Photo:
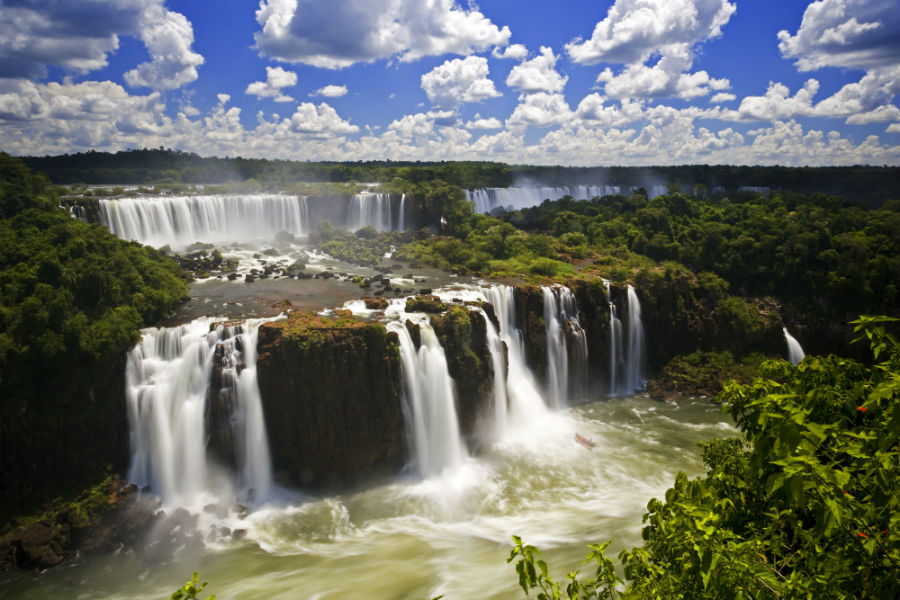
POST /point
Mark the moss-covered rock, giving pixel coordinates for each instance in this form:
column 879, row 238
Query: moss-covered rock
column 331, row 396
column 425, row 304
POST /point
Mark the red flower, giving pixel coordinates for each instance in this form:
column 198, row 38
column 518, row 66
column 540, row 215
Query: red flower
column 862, row 535
column 862, row 409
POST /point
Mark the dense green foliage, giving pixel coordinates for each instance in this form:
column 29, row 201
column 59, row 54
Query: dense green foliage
column 805, row 505
column 71, row 292
column 818, row 251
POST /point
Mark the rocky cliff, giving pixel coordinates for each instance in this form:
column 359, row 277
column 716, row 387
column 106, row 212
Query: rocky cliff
column 331, row 398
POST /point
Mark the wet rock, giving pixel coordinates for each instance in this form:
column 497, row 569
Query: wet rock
column 375, row 303
column 425, row 303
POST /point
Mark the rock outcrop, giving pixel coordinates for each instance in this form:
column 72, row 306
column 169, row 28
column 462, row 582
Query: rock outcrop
column 331, row 398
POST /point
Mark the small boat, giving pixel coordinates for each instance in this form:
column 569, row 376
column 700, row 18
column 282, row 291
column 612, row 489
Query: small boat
column 586, row 442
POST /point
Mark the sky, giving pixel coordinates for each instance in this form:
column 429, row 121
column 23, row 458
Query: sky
column 568, row 82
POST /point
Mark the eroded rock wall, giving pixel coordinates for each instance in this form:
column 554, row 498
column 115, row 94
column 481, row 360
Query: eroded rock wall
column 331, row 398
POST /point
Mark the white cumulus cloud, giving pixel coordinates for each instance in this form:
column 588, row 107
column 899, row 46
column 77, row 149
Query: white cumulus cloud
column 514, row 51
column 321, row 120
column 845, row 33
column 168, row 37
column 79, row 36
column 338, row 33
column 331, row 91
column 636, row 32
column 459, row 80
column 540, row 109
column 538, row 74
column 633, row 30
column 276, row 79
column 480, row 122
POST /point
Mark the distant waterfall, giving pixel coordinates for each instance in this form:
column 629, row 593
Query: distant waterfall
column 370, row 209
column 794, row 349
column 626, row 353
column 561, row 321
column 181, row 220
column 430, row 393
column 168, row 390
column 515, row 198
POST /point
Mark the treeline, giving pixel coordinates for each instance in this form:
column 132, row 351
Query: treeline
column 869, row 184
column 72, row 300
column 172, row 166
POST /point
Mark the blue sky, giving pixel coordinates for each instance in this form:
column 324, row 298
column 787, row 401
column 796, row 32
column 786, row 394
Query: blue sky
column 624, row 82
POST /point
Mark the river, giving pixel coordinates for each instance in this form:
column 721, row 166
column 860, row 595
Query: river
column 448, row 535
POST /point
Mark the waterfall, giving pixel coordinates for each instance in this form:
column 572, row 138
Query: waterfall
column 181, row 220
column 429, row 392
column 370, row 209
column 615, row 343
column 526, row 405
column 626, row 346
column 516, row 198
column 170, row 403
column 794, row 349
column 561, row 320
column 634, row 376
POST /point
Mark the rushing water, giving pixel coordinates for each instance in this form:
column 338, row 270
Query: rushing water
column 446, row 535
column 169, row 394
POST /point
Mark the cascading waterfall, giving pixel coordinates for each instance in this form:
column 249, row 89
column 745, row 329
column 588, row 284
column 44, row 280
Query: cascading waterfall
column 561, row 319
column 515, row 198
column 499, row 368
column 794, row 349
column 626, row 346
column 168, row 378
column 370, row 209
column 634, row 377
column 430, row 395
column 615, row 344
column 526, row 406
column 181, row 220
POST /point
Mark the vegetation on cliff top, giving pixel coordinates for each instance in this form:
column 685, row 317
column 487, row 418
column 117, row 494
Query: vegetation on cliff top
column 69, row 292
column 805, row 504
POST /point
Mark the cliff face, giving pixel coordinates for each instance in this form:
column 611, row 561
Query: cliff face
column 331, row 396
column 530, row 318
column 69, row 440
